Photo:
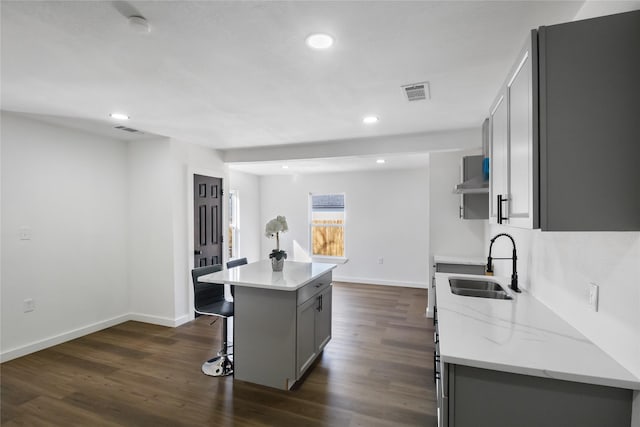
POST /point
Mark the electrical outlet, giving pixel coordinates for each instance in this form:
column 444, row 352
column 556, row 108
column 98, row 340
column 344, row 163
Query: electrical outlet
column 28, row 305
column 24, row 233
column 380, row 260
column 593, row 296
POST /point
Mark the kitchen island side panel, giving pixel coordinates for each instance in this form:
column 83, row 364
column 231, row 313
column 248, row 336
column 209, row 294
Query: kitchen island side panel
column 265, row 336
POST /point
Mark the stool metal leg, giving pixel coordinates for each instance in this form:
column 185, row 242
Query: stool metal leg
column 222, row 365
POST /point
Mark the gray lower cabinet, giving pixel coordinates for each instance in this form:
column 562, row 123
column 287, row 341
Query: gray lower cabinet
column 474, row 397
column 313, row 329
column 278, row 334
column 448, row 267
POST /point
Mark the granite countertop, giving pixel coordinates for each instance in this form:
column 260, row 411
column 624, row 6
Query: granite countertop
column 259, row 274
column 521, row 336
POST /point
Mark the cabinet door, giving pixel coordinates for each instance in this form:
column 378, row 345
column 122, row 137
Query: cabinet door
column 306, row 349
column 498, row 151
column 589, row 127
column 323, row 319
column 522, row 140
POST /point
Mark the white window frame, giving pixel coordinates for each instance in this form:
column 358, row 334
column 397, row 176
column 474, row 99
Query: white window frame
column 328, row 258
column 234, row 223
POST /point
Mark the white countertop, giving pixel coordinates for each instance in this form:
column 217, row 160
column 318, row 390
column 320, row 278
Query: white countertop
column 445, row 259
column 520, row 336
column 259, row 274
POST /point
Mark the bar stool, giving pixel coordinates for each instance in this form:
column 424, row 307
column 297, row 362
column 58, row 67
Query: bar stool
column 208, row 299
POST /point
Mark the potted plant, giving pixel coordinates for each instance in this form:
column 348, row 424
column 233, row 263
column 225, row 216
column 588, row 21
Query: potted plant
column 274, row 228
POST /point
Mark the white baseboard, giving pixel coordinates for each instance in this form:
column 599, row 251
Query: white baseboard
column 369, row 281
column 59, row 339
column 183, row 319
column 154, row 320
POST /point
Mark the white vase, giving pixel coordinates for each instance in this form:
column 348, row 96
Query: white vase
column 277, row 264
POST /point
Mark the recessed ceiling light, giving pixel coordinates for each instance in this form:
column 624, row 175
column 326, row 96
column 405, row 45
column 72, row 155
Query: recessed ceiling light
column 370, row 119
column 319, row 41
column 285, row 167
column 119, row 116
column 380, row 161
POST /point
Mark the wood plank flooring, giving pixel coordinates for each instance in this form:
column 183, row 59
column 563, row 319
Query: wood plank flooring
column 376, row 371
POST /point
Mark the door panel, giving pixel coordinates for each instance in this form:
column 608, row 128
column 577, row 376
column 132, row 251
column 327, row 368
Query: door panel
column 498, row 155
column 520, row 143
column 305, row 335
column 323, row 322
column 207, row 222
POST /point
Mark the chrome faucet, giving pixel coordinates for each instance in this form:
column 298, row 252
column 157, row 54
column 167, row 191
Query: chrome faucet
column 514, row 258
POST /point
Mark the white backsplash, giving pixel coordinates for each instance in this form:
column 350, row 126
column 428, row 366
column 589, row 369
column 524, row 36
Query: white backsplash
column 557, row 267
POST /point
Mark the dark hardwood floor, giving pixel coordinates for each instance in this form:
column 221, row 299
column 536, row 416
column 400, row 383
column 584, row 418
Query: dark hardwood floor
column 376, row 371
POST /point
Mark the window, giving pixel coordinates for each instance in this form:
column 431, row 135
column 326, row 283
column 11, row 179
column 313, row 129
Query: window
column 234, row 224
column 327, row 225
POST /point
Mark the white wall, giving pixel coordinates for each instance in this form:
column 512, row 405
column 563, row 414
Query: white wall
column 150, row 238
column 187, row 160
column 449, row 234
column 250, row 224
column 386, row 216
column 591, row 9
column 111, row 225
column 70, row 188
column 371, row 146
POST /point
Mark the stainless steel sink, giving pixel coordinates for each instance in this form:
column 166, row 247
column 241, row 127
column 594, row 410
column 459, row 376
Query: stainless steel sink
column 478, row 288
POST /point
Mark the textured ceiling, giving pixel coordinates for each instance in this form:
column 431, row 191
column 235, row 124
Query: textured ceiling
column 238, row 74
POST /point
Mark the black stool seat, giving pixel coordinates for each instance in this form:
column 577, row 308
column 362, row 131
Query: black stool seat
column 221, row 308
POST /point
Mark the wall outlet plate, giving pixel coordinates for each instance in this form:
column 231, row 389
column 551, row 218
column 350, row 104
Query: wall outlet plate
column 24, row 233
column 593, row 296
column 28, row 305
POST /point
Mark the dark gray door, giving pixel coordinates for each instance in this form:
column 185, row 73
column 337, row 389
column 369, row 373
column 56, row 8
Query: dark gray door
column 207, row 221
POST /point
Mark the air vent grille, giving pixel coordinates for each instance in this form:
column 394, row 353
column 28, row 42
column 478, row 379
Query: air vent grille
column 417, row 91
column 126, row 129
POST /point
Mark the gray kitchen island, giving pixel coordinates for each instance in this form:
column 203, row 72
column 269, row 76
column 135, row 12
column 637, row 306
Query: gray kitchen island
column 282, row 320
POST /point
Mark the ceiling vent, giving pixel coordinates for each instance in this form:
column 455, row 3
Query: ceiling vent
column 417, row 91
column 126, row 129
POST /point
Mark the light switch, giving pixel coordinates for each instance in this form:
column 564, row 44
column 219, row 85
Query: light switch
column 24, row 233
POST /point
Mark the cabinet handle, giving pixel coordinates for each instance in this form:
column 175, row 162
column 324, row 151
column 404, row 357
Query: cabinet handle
column 460, row 212
column 197, row 252
column 501, row 200
column 319, row 307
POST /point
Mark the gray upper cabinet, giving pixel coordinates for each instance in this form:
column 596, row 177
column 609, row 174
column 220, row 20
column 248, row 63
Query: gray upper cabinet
column 590, row 124
column 565, row 130
column 473, row 205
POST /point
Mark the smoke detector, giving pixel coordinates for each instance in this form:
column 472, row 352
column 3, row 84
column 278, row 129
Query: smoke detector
column 417, row 91
column 139, row 24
